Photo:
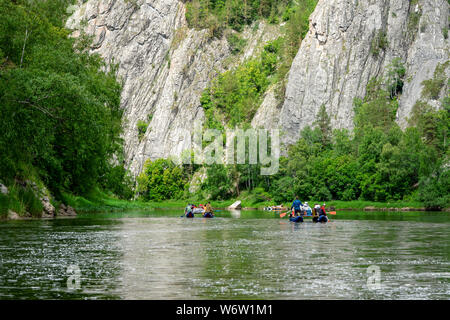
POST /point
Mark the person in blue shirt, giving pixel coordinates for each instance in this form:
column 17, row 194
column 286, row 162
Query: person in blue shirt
column 296, row 205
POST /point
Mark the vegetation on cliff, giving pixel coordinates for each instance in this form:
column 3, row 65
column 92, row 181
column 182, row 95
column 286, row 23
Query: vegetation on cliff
column 234, row 97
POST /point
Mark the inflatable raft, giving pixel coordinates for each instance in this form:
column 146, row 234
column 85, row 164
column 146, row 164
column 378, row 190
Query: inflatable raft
column 274, row 208
column 296, row 219
column 189, row 215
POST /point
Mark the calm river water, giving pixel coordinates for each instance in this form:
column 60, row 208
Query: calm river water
column 247, row 255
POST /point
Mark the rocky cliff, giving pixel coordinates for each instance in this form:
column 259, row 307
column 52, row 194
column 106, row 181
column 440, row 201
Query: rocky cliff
column 339, row 56
column 165, row 65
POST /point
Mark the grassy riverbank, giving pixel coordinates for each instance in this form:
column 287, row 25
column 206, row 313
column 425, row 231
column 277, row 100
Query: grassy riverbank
column 99, row 201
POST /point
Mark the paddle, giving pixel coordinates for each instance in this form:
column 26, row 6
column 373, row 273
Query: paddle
column 283, row 214
column 332, row 212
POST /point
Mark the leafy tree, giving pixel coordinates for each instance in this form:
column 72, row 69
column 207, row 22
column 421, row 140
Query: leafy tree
column 118, row 181
column 217, row 15
column 434, row 189
column 60, row 111
column 377, row 109
column 160, row 180
column 395, row 74
column 235, row 95
column 323, row 123
column 218, row 183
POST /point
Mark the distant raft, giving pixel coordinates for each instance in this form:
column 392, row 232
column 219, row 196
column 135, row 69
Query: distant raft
column 274, row 208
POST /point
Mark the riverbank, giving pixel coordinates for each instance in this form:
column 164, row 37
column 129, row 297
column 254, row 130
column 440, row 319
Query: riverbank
column 30, row 199
column 102, row 202
column 99, row 201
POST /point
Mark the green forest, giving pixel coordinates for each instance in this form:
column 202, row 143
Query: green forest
column 61, row 120
column 60, row 112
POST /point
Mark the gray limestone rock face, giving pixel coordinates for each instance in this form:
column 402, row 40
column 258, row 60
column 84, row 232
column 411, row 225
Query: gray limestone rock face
column 138, row 36
column 67, row 211
column 336, row 60
column 49, row 209
column 13, row 215
column 267, row 116
column 164, row 66
column 429, row 49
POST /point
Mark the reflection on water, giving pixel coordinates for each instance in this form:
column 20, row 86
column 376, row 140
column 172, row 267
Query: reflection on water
column 35, row 255
column 158, row 255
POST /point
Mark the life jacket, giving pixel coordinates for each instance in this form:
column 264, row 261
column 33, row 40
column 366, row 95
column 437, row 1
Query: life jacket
column 292, row 213
column 322, row 211
column 316, row 211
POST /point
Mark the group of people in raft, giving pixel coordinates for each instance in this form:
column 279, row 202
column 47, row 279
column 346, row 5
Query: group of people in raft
column 191, row 209
column 299, row 210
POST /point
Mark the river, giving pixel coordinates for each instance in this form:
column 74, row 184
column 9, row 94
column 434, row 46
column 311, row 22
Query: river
column 242, row 255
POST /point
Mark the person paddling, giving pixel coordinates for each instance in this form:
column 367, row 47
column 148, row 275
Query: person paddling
column 296, row 210
column 208, row 210
column 296, row 205
column 188, row 211
column 315, row 213
column 307, row 209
